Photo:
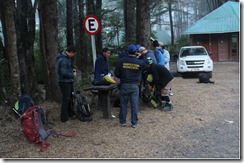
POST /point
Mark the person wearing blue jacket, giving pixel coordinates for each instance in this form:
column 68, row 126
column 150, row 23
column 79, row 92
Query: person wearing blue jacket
column 128, row 70
column 158, row 53
column 66, row 79
column 101, row 65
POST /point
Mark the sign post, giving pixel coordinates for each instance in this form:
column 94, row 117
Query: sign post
column 92, row 26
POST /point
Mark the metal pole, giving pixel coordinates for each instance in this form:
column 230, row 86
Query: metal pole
column 94, row 54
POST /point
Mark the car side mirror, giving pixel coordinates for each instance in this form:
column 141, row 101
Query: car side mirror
column 210, row 53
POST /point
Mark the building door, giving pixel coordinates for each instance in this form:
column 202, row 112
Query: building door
column 234, row 48
column 223, row 49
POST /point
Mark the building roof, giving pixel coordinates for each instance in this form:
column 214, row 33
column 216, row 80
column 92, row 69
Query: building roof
column 224, row 19
column 162, row 36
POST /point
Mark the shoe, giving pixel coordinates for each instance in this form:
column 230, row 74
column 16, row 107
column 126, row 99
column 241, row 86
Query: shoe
column 123, row 124
column 134, row 126
column 72, row 117
column 167, row 107
column 171, row 93
column 67, row 122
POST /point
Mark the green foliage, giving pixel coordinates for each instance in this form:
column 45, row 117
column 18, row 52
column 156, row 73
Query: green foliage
column 112, row 61
column 86, row 80
column 112, row 26
column 184, row 40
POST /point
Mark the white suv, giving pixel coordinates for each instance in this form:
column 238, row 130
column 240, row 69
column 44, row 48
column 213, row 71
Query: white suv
column 194, row 59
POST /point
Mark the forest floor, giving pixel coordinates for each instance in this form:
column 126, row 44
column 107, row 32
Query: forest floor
column 204, row 124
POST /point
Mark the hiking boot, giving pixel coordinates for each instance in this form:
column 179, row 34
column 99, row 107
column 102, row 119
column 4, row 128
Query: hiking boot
column 165, row 106
column 161, row 105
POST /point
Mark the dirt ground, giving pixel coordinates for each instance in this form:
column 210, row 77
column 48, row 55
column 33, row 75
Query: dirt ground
column 204, row 124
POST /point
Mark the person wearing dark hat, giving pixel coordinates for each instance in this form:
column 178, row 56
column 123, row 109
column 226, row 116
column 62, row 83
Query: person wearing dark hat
column 128, row 70
column 158, row 52
column 162, row 79
column 66, row 79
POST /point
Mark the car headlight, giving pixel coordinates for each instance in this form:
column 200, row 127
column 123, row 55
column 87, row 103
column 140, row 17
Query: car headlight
column 209, row 61
column 182, row 62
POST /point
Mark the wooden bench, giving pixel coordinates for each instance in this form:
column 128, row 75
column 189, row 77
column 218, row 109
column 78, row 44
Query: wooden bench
column 104, row 97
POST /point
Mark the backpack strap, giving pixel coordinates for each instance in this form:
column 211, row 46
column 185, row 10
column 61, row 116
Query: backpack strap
column 40, row 121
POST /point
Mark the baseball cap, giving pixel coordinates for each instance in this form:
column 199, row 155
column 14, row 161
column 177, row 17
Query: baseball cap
column 132, row 48
column 138, row 46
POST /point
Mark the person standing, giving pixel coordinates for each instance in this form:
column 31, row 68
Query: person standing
column 65, row 73
column 166, row 63
column 158, row 53
column 128, row 70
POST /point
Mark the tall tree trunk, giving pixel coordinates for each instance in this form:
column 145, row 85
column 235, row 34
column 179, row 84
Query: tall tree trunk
column 11, row 48
column 25, row 25
column 83, row 37
column 143, row 23
column 69, row 22
column 99, row 34
column 171, row 22
column 48, row 23
column 77, row 59
column 130, row 21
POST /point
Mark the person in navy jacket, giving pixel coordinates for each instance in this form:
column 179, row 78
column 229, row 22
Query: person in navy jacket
column 128, row 70
column 101, row 65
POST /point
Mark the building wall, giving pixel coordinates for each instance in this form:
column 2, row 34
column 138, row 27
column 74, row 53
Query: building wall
column 224, row 47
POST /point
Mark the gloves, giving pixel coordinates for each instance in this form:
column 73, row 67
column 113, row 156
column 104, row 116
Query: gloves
column 108, row 78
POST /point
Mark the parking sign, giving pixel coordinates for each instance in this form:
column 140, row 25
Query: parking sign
column 91, row 24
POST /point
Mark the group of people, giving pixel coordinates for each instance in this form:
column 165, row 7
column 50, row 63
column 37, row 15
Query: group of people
column 129, row 70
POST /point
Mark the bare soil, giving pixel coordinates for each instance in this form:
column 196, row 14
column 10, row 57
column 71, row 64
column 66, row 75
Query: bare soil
column 204, row 124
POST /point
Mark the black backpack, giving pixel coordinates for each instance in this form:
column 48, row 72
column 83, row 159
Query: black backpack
column 81, row 107
column 204, row 78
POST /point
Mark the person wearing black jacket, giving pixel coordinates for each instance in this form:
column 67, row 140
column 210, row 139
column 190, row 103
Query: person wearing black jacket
column 162, row 79
column 66, row 79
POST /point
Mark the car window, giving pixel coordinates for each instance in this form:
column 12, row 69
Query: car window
column 198, row 51
column 192, row 52
column 184, row 52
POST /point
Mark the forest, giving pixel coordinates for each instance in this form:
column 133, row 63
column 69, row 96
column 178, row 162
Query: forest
column 33, row 32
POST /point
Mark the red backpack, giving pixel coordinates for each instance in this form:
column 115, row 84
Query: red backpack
column 33, row 123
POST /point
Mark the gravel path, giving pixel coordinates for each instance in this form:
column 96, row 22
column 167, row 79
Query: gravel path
column 205, row 124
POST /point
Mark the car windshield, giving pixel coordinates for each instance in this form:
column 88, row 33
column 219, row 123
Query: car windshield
column 192, row 51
